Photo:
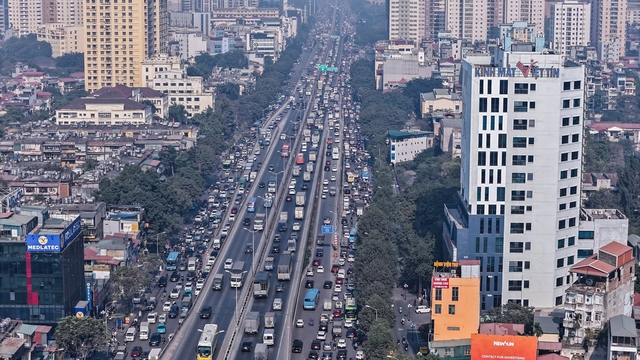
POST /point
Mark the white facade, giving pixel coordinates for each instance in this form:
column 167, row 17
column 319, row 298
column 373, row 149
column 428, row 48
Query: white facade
column 406, row 145
column 190, row 44
column 609, row 30
column 467, row 20
column 531, row 11
column 520, row 175
column 169, row 75
column 407, row 20
column 25, row 16
column 570, row 25
column 63, row 39
column 96, row 111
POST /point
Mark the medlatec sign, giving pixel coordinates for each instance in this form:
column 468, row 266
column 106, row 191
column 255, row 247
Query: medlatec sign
column 53, row 243
column 520, row 70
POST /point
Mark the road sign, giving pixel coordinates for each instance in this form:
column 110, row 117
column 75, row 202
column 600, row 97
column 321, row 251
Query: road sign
column 327, row 229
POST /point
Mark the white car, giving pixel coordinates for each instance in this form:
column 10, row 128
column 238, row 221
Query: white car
column 422, row 309
column 299, row 323
column 232, row 217
column 320, row 269
column 359, row 355
column 333, row 178
column 162, row 318
column 292, row 191
column 310, row 272
column 295, row 226
column 175, row 293
column 166, row 306
column 348, row 323
column 338, row 305
column 325, row 182
column 228, row 264
column 334, row 168
column 199, row 284
column 342, row 344
column 337, row 288
column 152, row 317
column 322, row 335
column 197, row 292
column 277, row 304
column 188, row 286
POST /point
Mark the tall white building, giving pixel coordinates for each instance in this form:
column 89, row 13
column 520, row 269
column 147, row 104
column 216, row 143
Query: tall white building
column 570, row 24
column 25, row 16
column 531, row 11
column 407, row 20
column 467, row 19
column 609, row 30
column 519, row 204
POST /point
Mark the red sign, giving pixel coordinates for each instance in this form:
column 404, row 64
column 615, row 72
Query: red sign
column 440, row 283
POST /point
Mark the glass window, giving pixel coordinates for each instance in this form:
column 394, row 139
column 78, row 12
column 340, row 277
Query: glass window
column 515, row 285
column 483, row 105
column 519, row 160
column 504, row 87
column 516, row 247
column 520, row 106
column 515, row 266
column 502, row 141
column 567, row 85
column 519, row 124
column 455, row 293
column 517, row 228
column 495, row 104
column 563, row 174
column 564, row 139
column 576, row 120
column 565, row 121
column 482, row 158
column 560, row 263
column 452, row 309
column 517, row 210
column 518, row 178
column 517, row 195
column 521, row 88
column 519, row 142
column 576, row 85
column 576, row 102
column 500, row 194
column 565, row 103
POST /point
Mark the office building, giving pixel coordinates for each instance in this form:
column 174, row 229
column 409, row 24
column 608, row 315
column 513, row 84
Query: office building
column 41, row 265
column 4, row 15
column 454, row 300
column 407, row 20
column 406, row 145
column 609, row 28
column 65, row 12
column 118, row 41
column 519, row 203
column 570, row 25
column 530, row 11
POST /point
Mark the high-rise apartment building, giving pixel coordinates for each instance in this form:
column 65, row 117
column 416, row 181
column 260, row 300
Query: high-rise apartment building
column 530, row 11
column 407, row 20
column 25, row 16
column 65, row 12
column 467, row 19
column 609, row 28
column 570, row 24
column 519, row 203
column 119, row 36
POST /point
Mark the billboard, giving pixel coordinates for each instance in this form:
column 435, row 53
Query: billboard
column 503, row 347
column 440, row 283
column 53, row 243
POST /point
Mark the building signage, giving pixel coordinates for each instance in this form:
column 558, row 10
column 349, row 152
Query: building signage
column 503, row 347
column 520, row 70
column 71, row 231
column 53, row 243
column 440, row 283
column 88, row 290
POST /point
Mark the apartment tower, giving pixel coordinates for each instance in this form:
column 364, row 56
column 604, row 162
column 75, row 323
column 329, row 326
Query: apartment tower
column 407, row 20
column 518, row 206
column 120, row 34
column 609, row 28
column 25, row 16
column 570, row 24
column 468, row 19
column 530, row 11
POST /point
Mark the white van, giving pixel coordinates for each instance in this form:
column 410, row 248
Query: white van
column 216, row 244
column 130, row 335
column 144, row 331
column 269, row 337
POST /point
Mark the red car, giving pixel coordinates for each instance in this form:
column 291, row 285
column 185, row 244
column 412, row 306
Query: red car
column 316, row 262
column 337, row 314
column 234, row 210
column 136, row 351
column 339, row 281
column 288, row 198
column 335, row 268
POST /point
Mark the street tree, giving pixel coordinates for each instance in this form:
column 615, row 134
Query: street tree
column 81, row 336
column 511, row 313
column 125, row 282
column 380, row 341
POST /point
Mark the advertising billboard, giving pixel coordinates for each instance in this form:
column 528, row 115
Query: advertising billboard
column 53, row 243
column 440, row 283
column 503, row 347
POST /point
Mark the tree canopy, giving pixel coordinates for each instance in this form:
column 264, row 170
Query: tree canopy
column 81, row 336
column 24, row 49
column 205, row 62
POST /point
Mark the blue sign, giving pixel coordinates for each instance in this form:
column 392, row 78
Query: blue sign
column 53, row 243
column 327, row 229
column 88, row 288
column 71, row 232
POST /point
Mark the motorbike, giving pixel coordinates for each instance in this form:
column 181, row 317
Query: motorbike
column 400, row 309
column 406, row 347
column 402, row 321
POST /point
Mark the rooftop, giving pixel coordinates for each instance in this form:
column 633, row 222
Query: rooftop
column 623, row 326
column 81, row 104
column 400, row 135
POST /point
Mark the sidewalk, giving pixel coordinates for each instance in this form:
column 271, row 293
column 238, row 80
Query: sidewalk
column 413, row 321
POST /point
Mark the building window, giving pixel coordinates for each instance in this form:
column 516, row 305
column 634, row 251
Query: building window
column 502, row 141
column 563, row 192
column 585, row 234
column 567, row 85
column 517, row 195
column 439, row 294
column 565, row 103
column 572, row 222
column 517, row 160
column 500, row 194
column 517, row 228
column 520, row 106
column 563, row 156
column 559, row 281
column 483, row 105
column 504, row 87
column 575, row 138
column 576, row 85
column 519, row 142
column 515, row 285
column 560, row 262
column 515, row 266
column 573, row 190
column 516, row 247
column 455, row 292
column 521, row 88
column 576, row 102
column 493, row 156
column 560, row 243
column 562, row 224
column 452, row 309
column 563, row 174
column 564, row 139
column 584, row 253
column 482, row 158
column 517, row 210
column 570, row 260
column 572, row 240
column 498, row 245
column 495, row 105
column 576, row 120
column 574, row 173
column 574, row 155
column 565, row 121
column 518, row 178
column 438, row 309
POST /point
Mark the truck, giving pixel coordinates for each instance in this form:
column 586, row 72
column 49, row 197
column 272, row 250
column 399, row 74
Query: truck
column 261, row 352
column 336, row 331
column 187, row 301
column 296, row 171
column 301, row 198
column 313, row 155
column 217, row 282
column 151, row 303
column 269, row 336
column 216, row 244
column 299, row 212
column 284, row 266
column 253, row 175
column 335, row 153
column 268, row 263
column 309, row 120
column 261, row 285
column 307, row 135
column 291, row 245
column 282, row 221
column 319, row 122
column 269, row 320
column 144, row 331
column 258, row 222
column 154, row 354
column 252, row 322
column 315, row 137
column 306, row 176
column 327, row 305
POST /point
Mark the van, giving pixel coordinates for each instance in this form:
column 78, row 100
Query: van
column 217, row 282
column 216, row 244
column 130, row 335
column 192, row 264
column 327, row 305
column 269, row 337
column 144, row 331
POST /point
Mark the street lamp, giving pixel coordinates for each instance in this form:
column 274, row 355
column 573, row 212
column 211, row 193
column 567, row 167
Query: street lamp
column 371, row 307
column 276, row 174
column 235, row 314
column 253, row 246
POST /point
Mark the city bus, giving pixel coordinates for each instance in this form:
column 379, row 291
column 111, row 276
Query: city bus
column 172, row 261
column 300, row 159
column 226, row 166
column 285, row 150
column 271, row 185
column 350, row 309
column 207, row 343
column 251, row 205
column 311, row 299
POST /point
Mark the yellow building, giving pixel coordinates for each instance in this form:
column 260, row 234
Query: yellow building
column 63, row 39
column 455, row 299
column 119, row 35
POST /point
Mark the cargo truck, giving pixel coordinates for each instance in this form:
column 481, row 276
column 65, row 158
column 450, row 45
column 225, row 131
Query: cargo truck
column 306, row 176
column 309, row 120
column 261, row 352
column 299, row 213
column 315, row 137
column 187, row 301
column 291, row 245
column 217, row 282
column 336, row 331
column 313, row 155
column 269, row 320
column 296, row 171
column 301, row 198
column 252, row 322
column 284, row 266
column 258, row 222
column 307, row 135
column 261, row 285
column 282, row 221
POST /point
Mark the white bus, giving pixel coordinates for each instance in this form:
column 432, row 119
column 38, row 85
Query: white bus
column 207, row 343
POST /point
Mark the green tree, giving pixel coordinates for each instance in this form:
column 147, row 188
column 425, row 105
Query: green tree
column 419, row 86
column 154, row 109
column 511, row 313
column 231, row 91
column 90, row 164
column 380, row 341
column 24, row 48
column 125, row 282
column 81, row 336
column 168, row 158
column 178, row 113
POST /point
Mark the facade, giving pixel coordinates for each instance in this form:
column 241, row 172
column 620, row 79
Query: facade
column 521, row 125
column 41, row 266
column 454, row 300
column 519, row 31
column 440, row 99
column 63, row 39
column 406, row 145
column 569, row 17
column 25, row 16
column 245, row 12
column 65, row 12
column 468, row 20
column 114, row 56
column 98, row 111
column 191, row 43
column 609, row 30
column 530, row 11
column 623, row 338
column 200, row 21
column 169, row 76
column 407, row 20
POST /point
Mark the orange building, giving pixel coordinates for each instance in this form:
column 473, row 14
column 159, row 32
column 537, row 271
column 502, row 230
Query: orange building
column 455, row 299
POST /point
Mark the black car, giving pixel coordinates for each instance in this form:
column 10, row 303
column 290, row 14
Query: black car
column 271, row 167
column 248, row 249
column 191, row 275
column 246, row 222
column 327, row 284
column 309, row 284
column 145, row 355
column 162, row 282
column 342, row 354
column 328, row 153
column 297, row 346
column 327, row 168
column 344, row 221
column 174, row 276
column 204, row 274
column 205, row 313
column 305, row 187
column 261, row 184
column 324, row 326
column 279, row 287
column 315, row 345
column 275, row 248
column 276, row 238
column 202, row 248
column 319, row 252
column 313, row 355
column 246, row 346
column 175, row 310
column 154, row 340
column 351, row 333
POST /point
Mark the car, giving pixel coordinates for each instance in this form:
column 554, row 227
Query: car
column 335, row 296
column 334, row 168
column 352, row 286
column 339, row 281
column 247, row 346
column 295, row 226
column 175, row 293
column 319, row 252
column 335, row 268
column 348, row 323
column 310, row 272
column 277, row 304
column 327, row 355
column 351, row 333
column 305, row 187
column 277, row 238
column 182, row 267
column 328, row 284
column 323, row 196
column 337, row 288
column 162, row 318
column 162, row 282
column 145, row 355
column 342, row 344
column 188, row 287
column 313, row 354
column 327, row 220
column 297, row 346
column 154, row 339
column 320, row 269
column 288, row 198
column 261, row 184
column 299, row 323
column 333, row 178
column 325, row 182
column 205, row 313
column 342, row 354
column 321, row 335
column 162, row 328
column 316, row 345
column 166, row 306
column 191, row 275
column 359, row 355
column 327, row 345
column 324, row 326
column 234, row 210
column 337, row 313
column 275, row 248
column 152, row 317
column 199, row 284
column 338, row 305
column 279, row 287
column 316, row 262
column 271, row 167
column 174, row 311
column 136, row 351
column 228, row 264
column 327, row 168
column 246, row 221
column 175, row 276
column 422, row 309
